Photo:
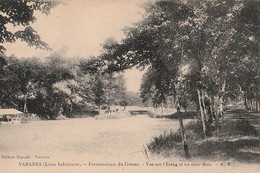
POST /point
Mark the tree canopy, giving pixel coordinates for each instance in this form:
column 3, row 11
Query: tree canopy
column 217, row 41
column 22, row 13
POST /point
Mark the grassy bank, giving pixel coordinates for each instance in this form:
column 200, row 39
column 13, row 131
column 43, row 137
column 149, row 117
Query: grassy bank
column 185, row 115
column 231, row 140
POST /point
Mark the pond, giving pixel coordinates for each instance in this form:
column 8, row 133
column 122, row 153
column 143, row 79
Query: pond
column 87, row 138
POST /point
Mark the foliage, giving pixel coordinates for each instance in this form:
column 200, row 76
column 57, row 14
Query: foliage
column 21, row 13
column 216, row 41
column 205, row 52
column 53, row 85
column 133, row 99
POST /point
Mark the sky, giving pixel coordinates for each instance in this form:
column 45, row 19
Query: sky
column 79, row 27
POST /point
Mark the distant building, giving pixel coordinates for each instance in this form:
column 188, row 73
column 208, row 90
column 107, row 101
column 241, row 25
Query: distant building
column 10, row 116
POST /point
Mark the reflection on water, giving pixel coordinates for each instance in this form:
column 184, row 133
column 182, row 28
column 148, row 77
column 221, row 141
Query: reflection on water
column 86, row 137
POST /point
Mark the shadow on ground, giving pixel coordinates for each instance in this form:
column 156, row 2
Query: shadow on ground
column 235, row 137
column 243, row 150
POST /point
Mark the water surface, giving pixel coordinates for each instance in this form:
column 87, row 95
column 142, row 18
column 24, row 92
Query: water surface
column 86, row 137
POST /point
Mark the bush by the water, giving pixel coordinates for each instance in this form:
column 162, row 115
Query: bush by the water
column 114, row 115
column 165, row 142
column 84, row 114
column 185, row 115
column 230, row 139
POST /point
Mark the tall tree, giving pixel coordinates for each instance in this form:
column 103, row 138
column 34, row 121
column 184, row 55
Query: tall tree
column 150, row 43
column 210, row 37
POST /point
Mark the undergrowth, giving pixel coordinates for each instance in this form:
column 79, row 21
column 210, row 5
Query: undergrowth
column 237, row 140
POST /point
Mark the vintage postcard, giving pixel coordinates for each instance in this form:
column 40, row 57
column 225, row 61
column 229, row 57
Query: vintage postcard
column 129, row 86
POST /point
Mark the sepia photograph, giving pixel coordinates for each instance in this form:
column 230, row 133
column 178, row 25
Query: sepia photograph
column 92, row 86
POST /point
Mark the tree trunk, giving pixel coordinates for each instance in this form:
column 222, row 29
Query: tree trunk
column 251, row 105
column 209, row 106
column 109, row 93
column 217, row 107
column 57, row 107
column 257, row 106
column 184, row 143
column 201, row 113
column 221, row 102
column 245, row 101
column 215, row 110
column 212, row 113
column 221, row 99
column 203, row 105
column 25, row 110
column 162, row 108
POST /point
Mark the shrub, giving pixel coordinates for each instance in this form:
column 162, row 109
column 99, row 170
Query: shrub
column 166, row 141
